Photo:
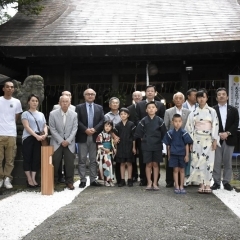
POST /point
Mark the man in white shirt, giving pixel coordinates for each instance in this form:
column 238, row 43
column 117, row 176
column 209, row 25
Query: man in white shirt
column 10, row 111
column 228, row 117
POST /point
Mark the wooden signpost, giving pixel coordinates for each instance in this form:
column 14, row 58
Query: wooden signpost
column 47, row 171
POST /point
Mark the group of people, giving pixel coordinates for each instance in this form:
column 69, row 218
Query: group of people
column 199, row 139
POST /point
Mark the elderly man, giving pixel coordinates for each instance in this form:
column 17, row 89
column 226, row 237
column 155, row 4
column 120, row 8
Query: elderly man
column 10, row 111
column 68, row 94
column 141, row 113
column 90, row 124
column 113, row 115
column 228, row 125
column 178, row 99
column 61, row 178
column 63, row 126
column 137, row 97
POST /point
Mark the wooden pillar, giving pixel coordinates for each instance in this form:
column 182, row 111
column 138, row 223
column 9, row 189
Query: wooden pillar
column 47, row 170
column 67, row 76
column 115, row 76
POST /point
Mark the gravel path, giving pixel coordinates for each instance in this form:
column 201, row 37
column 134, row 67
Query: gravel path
column 134, row 213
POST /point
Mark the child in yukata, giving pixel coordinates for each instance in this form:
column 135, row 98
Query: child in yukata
column 126, row 146
column 105, row 153
column 151, row 129
column 177, row 141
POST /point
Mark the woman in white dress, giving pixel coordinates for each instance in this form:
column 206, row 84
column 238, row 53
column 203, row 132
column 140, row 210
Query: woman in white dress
column 202, row 125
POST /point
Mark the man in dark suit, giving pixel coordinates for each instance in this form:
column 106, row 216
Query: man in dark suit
column 137, row 97
column 90, row 124
column 141, row 113
column 228, row 124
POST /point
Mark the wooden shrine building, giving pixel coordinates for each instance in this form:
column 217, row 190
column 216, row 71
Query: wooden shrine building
column 108, row 44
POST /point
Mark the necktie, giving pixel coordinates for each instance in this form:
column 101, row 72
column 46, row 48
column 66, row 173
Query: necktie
column 64, row 119
column 90, row 116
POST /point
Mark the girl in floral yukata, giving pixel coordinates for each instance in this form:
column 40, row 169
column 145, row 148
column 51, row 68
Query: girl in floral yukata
column 105, row 153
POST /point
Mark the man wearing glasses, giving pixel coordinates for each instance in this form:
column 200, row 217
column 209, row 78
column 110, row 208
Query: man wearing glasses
column 90, row 123
column 10, row 111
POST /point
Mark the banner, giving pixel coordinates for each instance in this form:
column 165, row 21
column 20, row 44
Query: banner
column 234, row 92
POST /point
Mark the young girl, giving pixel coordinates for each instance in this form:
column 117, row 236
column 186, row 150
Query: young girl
column 126, row 145
column 105, row 153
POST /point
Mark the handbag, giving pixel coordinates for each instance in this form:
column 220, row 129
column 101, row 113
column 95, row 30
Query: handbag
column 45, row 141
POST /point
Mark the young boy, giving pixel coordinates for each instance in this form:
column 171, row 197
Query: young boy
column 151, row 130
column 177, row 141
column 126, row 145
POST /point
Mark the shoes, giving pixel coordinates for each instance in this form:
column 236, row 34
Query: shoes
column 38, row 185
column 7, row 183
column 208, row 190
column 143, row 182
column 149, row 188
column 107, row 184
column 70, row 186
column 169, row 185
column 82, row 185
column 61, row 180
column 155, row 188
column 215, row 186
column 182, row 191
column 130, row 182
column 1, row 183
column 228, row 187
column 29, row 185
column 134, row 179
column 177, row 191
column 122, row 183
column 95, row 184
column 112, row 184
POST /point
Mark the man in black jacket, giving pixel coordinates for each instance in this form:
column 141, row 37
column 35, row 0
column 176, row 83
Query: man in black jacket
column 90, row 124
column 141, row 113
column 228, row 124
column 137, row 97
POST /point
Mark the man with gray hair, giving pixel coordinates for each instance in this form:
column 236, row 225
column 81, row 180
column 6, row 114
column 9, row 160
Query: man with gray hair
column 90, row 124
column 68, row 94
column 178, row 99
column 136, row 97
column 61, row 169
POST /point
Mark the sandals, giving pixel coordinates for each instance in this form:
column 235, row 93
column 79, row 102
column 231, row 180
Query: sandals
column 177, row 191
column 183, row 191
column 155, row 188
column 201, row 190
column 208, row 191
column 149, row 188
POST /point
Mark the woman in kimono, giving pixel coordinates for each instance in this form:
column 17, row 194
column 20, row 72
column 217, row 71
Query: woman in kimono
column 202, row 125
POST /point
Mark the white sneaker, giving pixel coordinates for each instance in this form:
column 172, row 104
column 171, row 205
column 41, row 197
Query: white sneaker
column 7, row 183
column 112, row 184
column 107, row 184
column 1, row 183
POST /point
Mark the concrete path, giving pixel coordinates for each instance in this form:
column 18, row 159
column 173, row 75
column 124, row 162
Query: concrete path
column 134, row 213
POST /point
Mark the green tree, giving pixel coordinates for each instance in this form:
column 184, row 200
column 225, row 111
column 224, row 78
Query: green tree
column 28, row 7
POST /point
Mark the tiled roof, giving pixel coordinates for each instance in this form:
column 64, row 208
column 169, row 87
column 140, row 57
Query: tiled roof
column 124, row 22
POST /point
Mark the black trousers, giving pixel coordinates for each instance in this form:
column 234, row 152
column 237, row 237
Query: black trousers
column 61, row 170
column 169, row 173
column 118, row 172
column 68, row 160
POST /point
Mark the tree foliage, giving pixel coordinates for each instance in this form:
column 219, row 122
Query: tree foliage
column 28, row 7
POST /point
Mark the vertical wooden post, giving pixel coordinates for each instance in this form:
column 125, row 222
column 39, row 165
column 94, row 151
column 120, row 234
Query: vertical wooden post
column 47, row 170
